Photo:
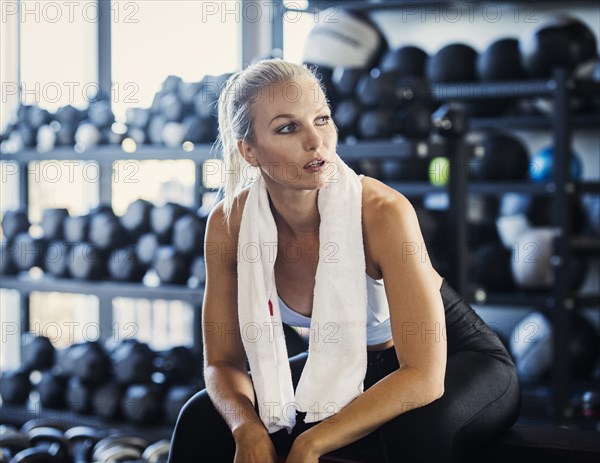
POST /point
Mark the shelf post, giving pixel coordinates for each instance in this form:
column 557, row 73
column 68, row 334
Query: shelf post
column 451, row 123
column 561, row 259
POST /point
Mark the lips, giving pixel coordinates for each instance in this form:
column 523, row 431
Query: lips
column 317, row 162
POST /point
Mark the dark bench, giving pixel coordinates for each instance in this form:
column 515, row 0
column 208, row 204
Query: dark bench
column 521, row 444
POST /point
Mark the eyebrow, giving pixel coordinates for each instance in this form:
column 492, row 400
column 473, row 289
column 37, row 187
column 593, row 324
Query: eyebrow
column 291, row 116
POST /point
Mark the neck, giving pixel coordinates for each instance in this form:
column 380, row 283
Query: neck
column 295, row 212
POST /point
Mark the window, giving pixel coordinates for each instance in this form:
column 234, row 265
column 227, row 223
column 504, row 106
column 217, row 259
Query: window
column 151, row 40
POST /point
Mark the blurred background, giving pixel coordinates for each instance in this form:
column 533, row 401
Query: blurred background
column 484, row 114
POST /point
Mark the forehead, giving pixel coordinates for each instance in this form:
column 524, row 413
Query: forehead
column 291, row 97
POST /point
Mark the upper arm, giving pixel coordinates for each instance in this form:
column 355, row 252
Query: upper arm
column 220, row 324
column 416, row 308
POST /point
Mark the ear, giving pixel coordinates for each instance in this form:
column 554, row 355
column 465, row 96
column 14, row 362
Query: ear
column 247, row 152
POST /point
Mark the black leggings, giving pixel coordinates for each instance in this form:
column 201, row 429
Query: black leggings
column 481, row 399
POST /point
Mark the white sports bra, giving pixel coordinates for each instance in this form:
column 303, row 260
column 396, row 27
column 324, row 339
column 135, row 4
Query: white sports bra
column 378, row 314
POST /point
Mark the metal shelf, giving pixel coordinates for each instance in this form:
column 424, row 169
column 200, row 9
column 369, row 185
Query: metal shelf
column 358, row 150
column 515, row 299
column 103, row 288
column 112, row 153
column 518, row 299
column 585, row 244
column 500, row 188
column 532, row 122
column 399, row 148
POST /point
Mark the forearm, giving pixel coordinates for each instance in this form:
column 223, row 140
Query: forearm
column 231, row 391
column 397, row 393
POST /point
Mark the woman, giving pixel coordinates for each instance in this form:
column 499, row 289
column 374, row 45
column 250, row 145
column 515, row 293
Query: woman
column 456, row 386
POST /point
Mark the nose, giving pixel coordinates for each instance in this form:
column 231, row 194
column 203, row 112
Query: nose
column 313, row 140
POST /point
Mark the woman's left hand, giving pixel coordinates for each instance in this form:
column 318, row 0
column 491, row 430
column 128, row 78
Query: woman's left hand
column 302, row 452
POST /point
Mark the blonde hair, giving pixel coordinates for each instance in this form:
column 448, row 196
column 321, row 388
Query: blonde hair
column 236, row 122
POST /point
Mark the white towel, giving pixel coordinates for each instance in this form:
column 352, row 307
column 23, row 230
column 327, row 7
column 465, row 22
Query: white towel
column 337, row 361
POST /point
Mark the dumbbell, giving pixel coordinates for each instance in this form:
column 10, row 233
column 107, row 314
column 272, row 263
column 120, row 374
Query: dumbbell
column 142, row 403
column 7, row 266
column 14, row 222
column 136, row 219
column 36, row 116
column 205, row 101
column 48, row 444
column 124, row 265
column 146, row 247
column 171, row 266
column 155, row 128
column 37, row 352
column 15, row 387
column 87, row 135
column 100, row 113
column 163, row 218
column 177, row 364
column 78, row 395
column 82, row 440
column 188, row 234
column 56, row 259
column 12, row 442
column 119, row 448
column 187, row 91
column 133, row 362
column 197, row 129
column 88, row 262
column 29, row 251
column 106, row 400
column 137, row 118
column 106, row 230
column 87, row 361
column 158, row 452
column 51, row 389
column 76, row 229
column 172, row 134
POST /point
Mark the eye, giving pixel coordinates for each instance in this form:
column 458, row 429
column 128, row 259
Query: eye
column 289, row 128
column 324, row 120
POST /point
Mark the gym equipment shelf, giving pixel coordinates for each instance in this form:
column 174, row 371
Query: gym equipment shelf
column 351, row 150
column 110, row 289
column 543, row 300
column 18, row 415
column 533, row 122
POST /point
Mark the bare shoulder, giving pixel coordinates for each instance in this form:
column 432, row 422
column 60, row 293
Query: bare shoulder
column 387, row 215
column 220, row 234
column 382, row 203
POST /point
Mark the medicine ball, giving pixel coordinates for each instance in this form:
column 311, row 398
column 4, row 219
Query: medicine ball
column 504, row 157
column 531, row 261
column 539, row 210
column 346, row 39
column 453, row 63
column 531, row 344
column 406, row 61
column 414, row 170
column 532, row 347
column 345, row 117
column 592, row 209
column 542, row 165
column 560, row 42
column 501, row 60
column 491, row 267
